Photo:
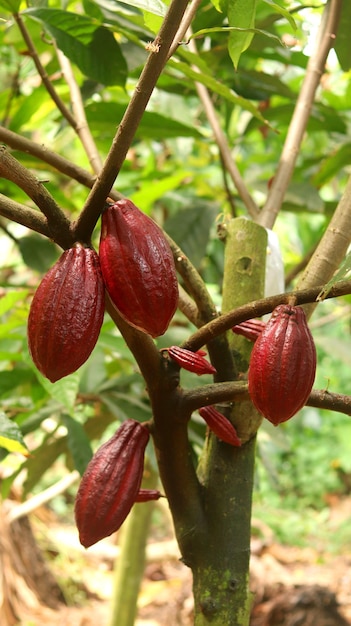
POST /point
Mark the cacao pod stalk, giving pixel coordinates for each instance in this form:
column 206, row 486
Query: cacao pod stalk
column 138, row 268
column 66, row 313
column 282, row 365
column 110, row 485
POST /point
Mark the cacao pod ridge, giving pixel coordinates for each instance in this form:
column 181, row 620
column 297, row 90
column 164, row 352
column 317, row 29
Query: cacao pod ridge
column 138, row 268
column 66, row 313
column 282, row 365
column 111, row 483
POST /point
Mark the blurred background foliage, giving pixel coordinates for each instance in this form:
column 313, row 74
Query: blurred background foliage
column 173, row 171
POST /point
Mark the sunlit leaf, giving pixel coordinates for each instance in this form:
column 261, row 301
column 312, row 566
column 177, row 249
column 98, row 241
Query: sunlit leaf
column 11, row 437
column 84, row 41
column 279, row 9
column 241, row 14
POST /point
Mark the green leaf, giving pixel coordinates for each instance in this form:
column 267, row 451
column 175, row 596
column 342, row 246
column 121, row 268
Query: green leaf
column 342, row 44
column 151, row 6
column 220, row 5
column 216, row 87
column 232, row 29
column 12, row 379
column 11, row 437
column 241, row 14
column 89, row 45
column 45, row 456
column 38, row 252
column 78, row 443
column 11, row 298
column 10, row 5
column 101, row 115
column 64, row 390
column 278, row 9
column 147, row 196
column 332, row 165
column 190, row 228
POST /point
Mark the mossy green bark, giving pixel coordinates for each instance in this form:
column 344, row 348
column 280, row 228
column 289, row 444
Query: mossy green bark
column 221, row 569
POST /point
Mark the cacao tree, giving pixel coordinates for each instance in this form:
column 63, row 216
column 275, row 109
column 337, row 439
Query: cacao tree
column 213, row 117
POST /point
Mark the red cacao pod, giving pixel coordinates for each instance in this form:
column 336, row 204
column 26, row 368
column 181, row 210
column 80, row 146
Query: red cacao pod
column 191, row 361
column 138, row 268
column 282, row 365
column 66, row 313
column 220, row 425
column 145, row 495
column 250, row 329
column 110, row 484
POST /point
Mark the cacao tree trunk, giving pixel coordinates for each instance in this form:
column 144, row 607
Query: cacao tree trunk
column 221, row 567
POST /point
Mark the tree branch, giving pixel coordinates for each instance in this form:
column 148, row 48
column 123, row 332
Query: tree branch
column 258, row 308
column 23, row 215
column 59, row 163
column 231, row 391
column 331, row 248
column 298, row 123
column 130, row 122
column 42, row 73
column 222, row 143
column 57, row 223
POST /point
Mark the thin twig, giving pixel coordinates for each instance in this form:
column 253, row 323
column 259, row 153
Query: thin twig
column 223, row 145
column 130, row 121
column 21, row 214
column 58, row 224
column 82, row 126
column 298, row 123
column 24, row 508
column 42, row 73
column 58, row 162
column 184, row 26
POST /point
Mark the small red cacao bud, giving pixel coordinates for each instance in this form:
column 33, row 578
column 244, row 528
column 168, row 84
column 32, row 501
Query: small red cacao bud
column 250, row 329
column 220, row 425
column 111, row 483
column 145, row 495
column 66, row 313
column 191, row 361
column 138, row 268
column 282, row 365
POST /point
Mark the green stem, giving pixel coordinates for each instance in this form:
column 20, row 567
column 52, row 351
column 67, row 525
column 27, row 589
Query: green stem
column 129, row 566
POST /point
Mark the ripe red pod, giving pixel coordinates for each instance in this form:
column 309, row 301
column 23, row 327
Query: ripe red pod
column 145, row 495
column 191, row 361
column 250, row 329
column 111, row 483
column 220, row 425
column 282, row 365
column 66, row 313
column 138, row 268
